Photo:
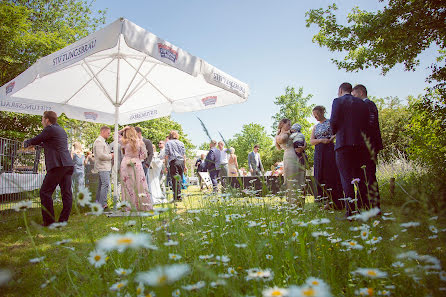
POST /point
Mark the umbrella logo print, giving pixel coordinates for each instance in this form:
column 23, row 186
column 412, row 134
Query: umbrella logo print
column 90, row 115
column 10, row 87
column 210, row 100
column 167, row 52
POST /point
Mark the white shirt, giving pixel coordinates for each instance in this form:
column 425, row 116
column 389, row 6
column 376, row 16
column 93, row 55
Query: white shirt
column 257, row 156
column 223, row 157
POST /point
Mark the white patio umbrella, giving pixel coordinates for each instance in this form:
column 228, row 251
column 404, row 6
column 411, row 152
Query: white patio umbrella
column 121, row 74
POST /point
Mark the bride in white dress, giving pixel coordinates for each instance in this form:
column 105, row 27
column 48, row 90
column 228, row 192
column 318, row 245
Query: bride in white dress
column 154, row 179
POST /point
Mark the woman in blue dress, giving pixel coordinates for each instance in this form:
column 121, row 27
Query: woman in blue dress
column 79, row 160
column 326, row 174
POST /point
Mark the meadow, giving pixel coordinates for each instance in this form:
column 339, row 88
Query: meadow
column 228, row 245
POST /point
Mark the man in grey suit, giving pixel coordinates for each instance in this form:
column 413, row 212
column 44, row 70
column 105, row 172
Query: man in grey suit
column 254, row 162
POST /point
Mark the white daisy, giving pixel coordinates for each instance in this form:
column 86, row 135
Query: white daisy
column 171, row 243
column 123, row 272
column 63, row 241
column 83, row 196
column 364, row 234
column 258, row 274
column 36, row 260
column 365, row 292
column 270, row 292
column 130, row 223
column 96, row 208
column 121, row 242
column 410, row 224
column 371, row 272
column 232, row 271
column 269, row 257
column 241, row 245
column 176, row 292
column 119, row 285
column 163, row 275
column 174, row 257
column 205, row 257
column 57, row 225
column 97, row 258
column 23, row 205
column 352, row 244
column 374, row 240
column 194, row 287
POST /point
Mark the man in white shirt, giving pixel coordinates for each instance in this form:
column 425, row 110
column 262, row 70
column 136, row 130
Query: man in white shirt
column 254, row 162
column 102, row 165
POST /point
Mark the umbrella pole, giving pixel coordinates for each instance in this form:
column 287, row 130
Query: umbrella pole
column 115, row 160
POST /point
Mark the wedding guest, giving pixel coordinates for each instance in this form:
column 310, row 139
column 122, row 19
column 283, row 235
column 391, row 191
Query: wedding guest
column 200, row 166
column 325, row 169
column 176, row 158
column 254, row 162
column 294, row 172
column 223, row 159
column 213, row 164
column 350, row 121
column 155, row 169
column 102, row 165
column 376, row 144
column 232, row 163
column 134, row 184
column 149, row 147
column 59, row 167
column 79, row 161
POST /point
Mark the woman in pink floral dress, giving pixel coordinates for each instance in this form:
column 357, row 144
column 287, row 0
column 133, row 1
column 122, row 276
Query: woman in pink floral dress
column 134, row 183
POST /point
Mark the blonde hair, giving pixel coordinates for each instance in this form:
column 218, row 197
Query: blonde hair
column 130, row 136
column 281, row 123
column 174, row 134
column 77, row 147
column 232, row 150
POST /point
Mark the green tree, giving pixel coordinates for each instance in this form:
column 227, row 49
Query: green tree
column 398, row 33
column 244, row 141
column 294, row 106
column 204, row 146
column 394, row 118
column 30, row 30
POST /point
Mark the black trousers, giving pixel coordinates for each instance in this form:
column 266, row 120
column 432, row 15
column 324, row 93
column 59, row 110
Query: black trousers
column 176, row 169
column 57, row 176
column 213, row 174
column 372, row 182
column 350, row 161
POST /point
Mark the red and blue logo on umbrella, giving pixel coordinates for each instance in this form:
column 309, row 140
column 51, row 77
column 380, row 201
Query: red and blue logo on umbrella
column 167, row 52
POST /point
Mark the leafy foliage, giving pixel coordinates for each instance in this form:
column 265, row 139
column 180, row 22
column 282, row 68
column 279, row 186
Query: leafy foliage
column 244, row 141
column 294, row 106
column 382, row 39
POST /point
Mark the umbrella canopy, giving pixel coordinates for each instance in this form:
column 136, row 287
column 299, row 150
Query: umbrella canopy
column 121, row 74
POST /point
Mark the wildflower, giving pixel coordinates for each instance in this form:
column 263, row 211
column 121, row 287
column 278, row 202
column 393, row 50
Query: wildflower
column 223, row 259
column 122, row 271
column 114, row 229
column 174, row 256
column 383, row 293
column 130, row 223
column 123, row 205
column 257, row 274
column 205, row 257
column 96, row 209
column 121, row 242
column 219, row 282
column 36, row 260
column 352, row 244
column 274, row 292
column 375, row 223
column 241, row 245
column 23, row 205
column 232, row 271
column 374, row 240
column 57, row 225
column 269, row 257
column 195, row 287
column 355, row 181
column 97, row 258
column 320, row 221
column 364, row 234
column 410, row 224
column 119, row 285
column 309, row 290
column 163, row 275
column 433, row 229
column 317, row 234
column 371, row 272
column 176, row 292
column 398, row 264
column 5, row 276
column 171, row 243
column 83, row 196
column 366, row 215
column 47, row 282
column 365, row 292
column 62, row 242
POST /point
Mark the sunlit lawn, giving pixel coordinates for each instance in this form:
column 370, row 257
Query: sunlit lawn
column 263, row 233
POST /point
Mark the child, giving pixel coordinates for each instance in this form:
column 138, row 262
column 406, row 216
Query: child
column 299, row 143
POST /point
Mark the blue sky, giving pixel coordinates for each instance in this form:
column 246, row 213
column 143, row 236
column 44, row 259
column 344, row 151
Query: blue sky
column 265, row 44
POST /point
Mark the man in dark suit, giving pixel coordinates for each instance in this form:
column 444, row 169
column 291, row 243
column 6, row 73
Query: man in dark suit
column 349, row 121
column 374, row 145
column 213, row 163
column 59, row 167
